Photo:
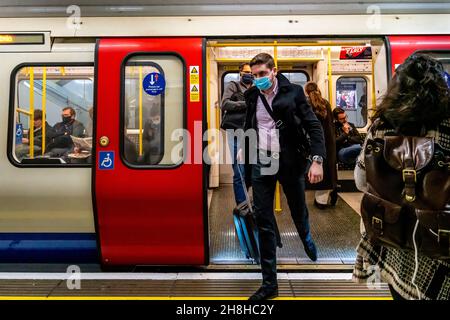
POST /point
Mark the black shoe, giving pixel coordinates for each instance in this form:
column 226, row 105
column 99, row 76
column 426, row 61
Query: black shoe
column 319, row 205
column 264, row 293
column 310, row 249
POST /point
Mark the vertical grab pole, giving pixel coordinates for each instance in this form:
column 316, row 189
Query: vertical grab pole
column 330, row 79
column 31, row 130
column 44, row 107
column 374, row 93
column 140, row 110
column 278, row 208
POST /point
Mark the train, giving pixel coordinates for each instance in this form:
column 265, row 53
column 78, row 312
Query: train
column 104, row 205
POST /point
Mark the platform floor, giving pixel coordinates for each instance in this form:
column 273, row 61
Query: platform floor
column 216, row 286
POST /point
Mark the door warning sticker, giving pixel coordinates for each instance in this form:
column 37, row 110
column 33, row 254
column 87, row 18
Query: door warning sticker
column 194, row 93
column 194, row 76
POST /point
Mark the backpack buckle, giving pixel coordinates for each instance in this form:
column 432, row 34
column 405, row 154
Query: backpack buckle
column 406, row 172
column 377, row 224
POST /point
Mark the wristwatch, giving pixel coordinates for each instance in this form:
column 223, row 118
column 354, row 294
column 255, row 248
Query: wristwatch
column 317, row 159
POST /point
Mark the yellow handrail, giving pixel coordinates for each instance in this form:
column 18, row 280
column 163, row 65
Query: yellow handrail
column 278, row 208
column 140, row 110
column 31, row 133
column 287, row 44
column 330, row 79
column 374, row 97
column 238, row 60
column 28, row 113
column 44, row 107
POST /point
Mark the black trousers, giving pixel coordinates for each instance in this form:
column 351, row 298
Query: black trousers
column 263, row 197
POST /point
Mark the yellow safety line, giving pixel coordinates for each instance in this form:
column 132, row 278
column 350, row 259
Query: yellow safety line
column 31, row 132
column 140, row 110
column 44, row 107
column 330, row 79
column 179, row 298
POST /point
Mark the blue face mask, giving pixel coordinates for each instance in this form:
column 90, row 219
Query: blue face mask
column 263, row 83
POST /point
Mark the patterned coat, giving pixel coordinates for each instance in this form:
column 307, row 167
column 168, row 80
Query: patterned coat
column 396, row 266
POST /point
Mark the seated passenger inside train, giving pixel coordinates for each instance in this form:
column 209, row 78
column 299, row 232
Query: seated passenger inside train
column 23, row 148
column 348, row 139
column 62, row 143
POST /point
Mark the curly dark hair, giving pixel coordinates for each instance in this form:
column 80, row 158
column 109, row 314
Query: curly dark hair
column 417, row 97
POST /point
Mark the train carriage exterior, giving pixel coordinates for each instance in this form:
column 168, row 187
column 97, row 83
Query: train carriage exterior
column 107, row 208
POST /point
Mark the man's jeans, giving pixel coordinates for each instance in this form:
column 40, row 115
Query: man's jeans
column 238, row 187
column 263, row 195
column 350, row 154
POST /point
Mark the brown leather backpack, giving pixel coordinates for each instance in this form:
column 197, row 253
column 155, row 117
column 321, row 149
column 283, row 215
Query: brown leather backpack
column 408, row 179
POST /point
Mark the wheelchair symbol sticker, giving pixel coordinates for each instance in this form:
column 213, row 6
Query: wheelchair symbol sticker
column 106, row 160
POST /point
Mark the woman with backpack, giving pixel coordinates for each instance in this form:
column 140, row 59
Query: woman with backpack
column 404, row 172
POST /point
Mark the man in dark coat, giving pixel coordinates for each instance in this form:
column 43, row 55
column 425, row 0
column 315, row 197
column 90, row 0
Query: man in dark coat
column 348, row 139
column 69, row 126
column 23, row 150
column 275, row 103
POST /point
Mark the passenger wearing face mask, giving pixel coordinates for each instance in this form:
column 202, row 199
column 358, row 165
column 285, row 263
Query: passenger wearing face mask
column 69, row 126
column 278, row 111
column 233, row 116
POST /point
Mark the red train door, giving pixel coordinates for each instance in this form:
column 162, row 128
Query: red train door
column 148, row 186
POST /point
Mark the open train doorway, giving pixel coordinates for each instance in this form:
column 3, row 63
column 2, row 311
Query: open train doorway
column 335, row 67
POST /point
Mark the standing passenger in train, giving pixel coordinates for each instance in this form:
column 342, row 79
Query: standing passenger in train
column 325, row 194
column 417, row 104
column 234, row 108
column 280, row 141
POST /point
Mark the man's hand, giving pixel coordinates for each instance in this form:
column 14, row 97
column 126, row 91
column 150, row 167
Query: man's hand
column 346, row 128
column 315, row 174
column 25, row 140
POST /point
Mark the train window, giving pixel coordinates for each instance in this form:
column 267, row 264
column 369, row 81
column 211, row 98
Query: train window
column 442, row 56
column 228, row 77
column 153, row 111
column 296, row 77
column 52, row 118
column 351, row 95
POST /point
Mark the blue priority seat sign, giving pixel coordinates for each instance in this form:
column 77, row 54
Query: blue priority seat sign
column 106, row 160
column 154, row 83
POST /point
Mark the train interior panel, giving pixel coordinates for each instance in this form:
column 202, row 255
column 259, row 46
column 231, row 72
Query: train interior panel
column 346, row 82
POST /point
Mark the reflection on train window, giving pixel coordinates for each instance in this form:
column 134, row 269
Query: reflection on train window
column 442, row 56
column 351, row 95
column 153, row 111
column 297, row 77
column 53, row 115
